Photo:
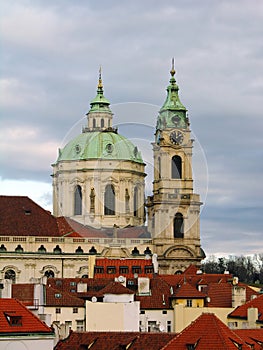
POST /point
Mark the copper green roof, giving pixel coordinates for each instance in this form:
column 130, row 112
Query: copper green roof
column 107, row 145
column 173, row 112
column 100, row 103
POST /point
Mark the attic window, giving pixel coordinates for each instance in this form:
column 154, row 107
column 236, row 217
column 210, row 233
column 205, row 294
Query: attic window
column 14, row 320
column 136, row 269
column 27, row 212
column 98, row 269
column 111, row 269
column 58, row 295
column 124, row 269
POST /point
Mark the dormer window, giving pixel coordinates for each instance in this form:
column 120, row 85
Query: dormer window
column 14, row 320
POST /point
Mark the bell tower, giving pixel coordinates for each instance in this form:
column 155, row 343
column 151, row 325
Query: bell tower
column 174, row 209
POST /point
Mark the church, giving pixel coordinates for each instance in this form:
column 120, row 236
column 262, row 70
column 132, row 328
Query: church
column 99, row 205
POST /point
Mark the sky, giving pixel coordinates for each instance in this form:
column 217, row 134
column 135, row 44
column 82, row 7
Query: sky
column 51, row 52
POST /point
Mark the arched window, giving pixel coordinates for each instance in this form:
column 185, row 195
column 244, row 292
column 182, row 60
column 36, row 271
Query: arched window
column 10, row 275
column 159, row 167
column 102, row 123
column 127, row 201
column 42, row 249
column 79, row 250
column 94, row 123
column 135, row 202
column 57, row 249
column 178, row 225
column 2, row 248
column 78, row 201
column 92, row 200
column 176, row 167
column 93, row 250
column 19, row 249
column 49, row 274
column 109, row 200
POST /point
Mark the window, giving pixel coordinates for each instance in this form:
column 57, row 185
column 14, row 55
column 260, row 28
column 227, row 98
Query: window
column 189, row 302
column 72, row 283
column 94, row 123
column 135, row 202
column 57, row 249
column 58, row 282
column 79, row 250
column 10, row 275
column 98, row 269
column 14, row 320
column 124, row 269
column 75, row 310
column 152, row 326
column 92, row 200
column 169, row 326
column 176, row 167
column 109, row 200
column 78, row 201
column 2, row 248
column 159, row 167
column 148, row 269
column 136, row 269
column 19, row 249
column 58, row 295
column 127, row 201
column 102, row 123
column 164, row 312
column 111, row 269
column 42, row 249
column 80, row 325
column 58, row 310
column 178, row 226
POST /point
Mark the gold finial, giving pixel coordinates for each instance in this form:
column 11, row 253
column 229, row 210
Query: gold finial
column 172, row 71
column 100, row 80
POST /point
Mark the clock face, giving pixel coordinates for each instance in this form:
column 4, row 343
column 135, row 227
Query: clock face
column 177, row 137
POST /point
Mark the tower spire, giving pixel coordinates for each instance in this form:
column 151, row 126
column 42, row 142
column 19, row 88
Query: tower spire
column 172, row 71
column 100, row 85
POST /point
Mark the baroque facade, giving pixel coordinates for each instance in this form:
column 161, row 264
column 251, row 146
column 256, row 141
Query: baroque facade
column 99, row 206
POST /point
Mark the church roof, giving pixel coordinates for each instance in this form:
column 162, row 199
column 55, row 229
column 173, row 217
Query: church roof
column 106, row 145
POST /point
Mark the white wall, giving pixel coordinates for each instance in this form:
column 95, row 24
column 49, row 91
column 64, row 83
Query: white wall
column 21, row 343
column 112, row 316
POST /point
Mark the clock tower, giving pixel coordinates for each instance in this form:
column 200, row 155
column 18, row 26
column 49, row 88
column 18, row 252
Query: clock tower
column 174, row 208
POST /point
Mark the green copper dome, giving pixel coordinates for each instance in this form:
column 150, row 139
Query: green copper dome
column 106, row 145
column 173, row 112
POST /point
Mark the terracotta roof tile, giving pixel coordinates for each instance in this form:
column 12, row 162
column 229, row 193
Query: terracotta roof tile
column 188, row 291
column 253, row 337
column 241, row 311
column 207, row 332
column 115, row 288
column 55, row 297
column 159, row 297
column 16, row 318
column 114, row 341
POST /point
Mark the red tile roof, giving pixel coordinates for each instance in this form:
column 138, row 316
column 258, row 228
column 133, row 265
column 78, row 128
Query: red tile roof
column 116, row 288
column 159, row 297
column 207, row 332
column 188, row 291
column 114, row 341
column 20, row 216
column 253, row 337
column 241, row 311
column 16, row 318
column 55, row 297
